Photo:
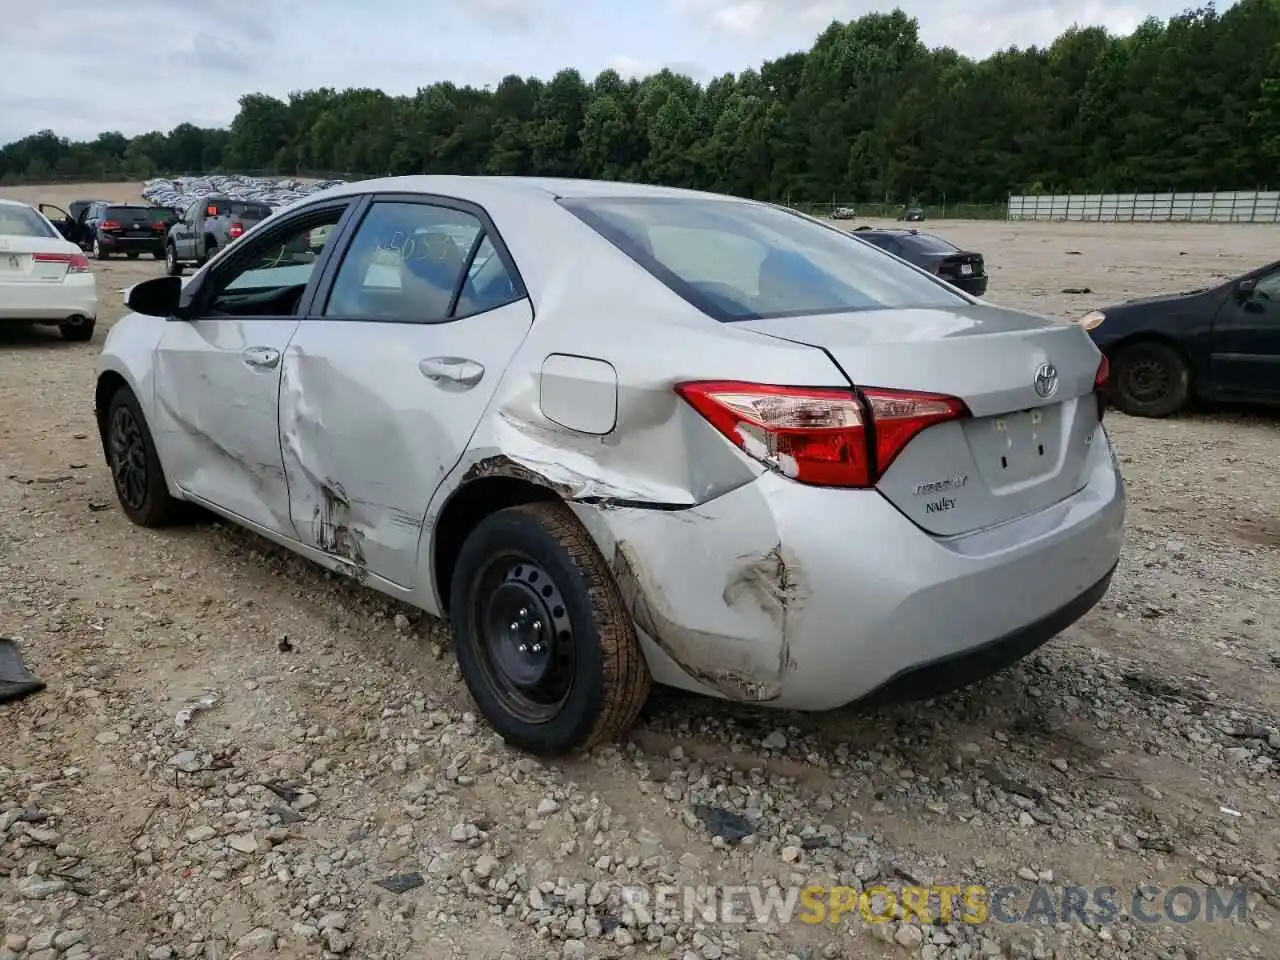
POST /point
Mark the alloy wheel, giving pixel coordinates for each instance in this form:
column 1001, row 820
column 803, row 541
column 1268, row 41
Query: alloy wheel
column 128, row 458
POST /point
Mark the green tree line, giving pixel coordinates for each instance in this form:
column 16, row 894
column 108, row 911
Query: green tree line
column 868, row 112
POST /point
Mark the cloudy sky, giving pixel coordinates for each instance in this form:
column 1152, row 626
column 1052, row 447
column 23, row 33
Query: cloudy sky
column 83, row 66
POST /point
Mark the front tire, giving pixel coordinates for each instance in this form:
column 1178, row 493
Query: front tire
column 1150, row 379
column 135, row 466
column 545, row 644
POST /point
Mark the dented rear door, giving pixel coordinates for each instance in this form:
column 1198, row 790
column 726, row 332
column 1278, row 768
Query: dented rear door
column 387, row 379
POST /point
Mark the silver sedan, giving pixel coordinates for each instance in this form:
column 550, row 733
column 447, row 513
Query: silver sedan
column 621, row 435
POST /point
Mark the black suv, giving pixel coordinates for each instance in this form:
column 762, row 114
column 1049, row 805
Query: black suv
column 128, row 228
column 961, row 268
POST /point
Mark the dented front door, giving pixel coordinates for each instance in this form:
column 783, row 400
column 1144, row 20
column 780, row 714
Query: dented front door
column 385, row 382
column 218, row 374
column 217, row 390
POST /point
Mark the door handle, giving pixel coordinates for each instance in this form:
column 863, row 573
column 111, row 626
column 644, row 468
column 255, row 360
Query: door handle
column 263, row 358
column 458, row 370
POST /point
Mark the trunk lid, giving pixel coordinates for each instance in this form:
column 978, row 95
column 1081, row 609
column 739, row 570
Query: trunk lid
column 961, row 266
column 1019, row 453
column 19, row 265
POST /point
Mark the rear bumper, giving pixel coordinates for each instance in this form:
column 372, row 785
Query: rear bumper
column 131, row 244
column 974, row 286
column 75, row 295
column 811, row 598
column 960, row 669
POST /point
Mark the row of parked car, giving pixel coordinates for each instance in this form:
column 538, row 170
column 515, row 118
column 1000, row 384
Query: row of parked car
column 45, row 276
column 191, row 235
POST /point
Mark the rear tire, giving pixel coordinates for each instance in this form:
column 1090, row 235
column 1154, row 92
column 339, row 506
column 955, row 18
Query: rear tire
column 544, row 641
column 1150, row 379
column 78, row 332
column 210, row 248
column 135, row 466
column 132, row 255
column 98, row 252
column 171, row 265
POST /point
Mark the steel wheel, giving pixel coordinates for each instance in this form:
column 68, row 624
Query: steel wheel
column 128, row 458
column 1147, row 380
column 1150, row 379
column 526, row 637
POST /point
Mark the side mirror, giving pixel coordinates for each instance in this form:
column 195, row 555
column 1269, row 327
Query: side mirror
column 157, row 297
column 1245, row 288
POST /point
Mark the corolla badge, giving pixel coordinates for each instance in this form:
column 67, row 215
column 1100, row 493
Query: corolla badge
column 1046, row 380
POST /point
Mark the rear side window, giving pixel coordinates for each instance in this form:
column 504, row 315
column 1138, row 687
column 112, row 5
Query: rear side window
column 249, row 211
column 736, row 260
column 881, row 241
column 926, row 243
column 408, row 261
column 16, row 221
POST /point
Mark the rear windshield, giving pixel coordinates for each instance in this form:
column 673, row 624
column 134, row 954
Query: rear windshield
column 926, row 243
column 23, row 222
column 128, row 213
column 736, row 260
column 250, row 211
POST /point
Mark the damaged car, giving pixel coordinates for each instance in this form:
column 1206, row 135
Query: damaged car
column 622, row 435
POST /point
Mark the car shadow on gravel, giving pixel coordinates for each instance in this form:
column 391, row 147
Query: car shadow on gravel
column 19, row 336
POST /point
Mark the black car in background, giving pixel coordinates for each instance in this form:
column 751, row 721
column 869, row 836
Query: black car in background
column 1221, row 343
column 961, row 268
column 69, row 222
column 128, row 228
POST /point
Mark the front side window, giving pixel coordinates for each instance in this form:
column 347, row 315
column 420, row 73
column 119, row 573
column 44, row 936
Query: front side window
column 407, row 261
column 17, row 221
column 1268, row 287
column 736, row 260
column 271, row 276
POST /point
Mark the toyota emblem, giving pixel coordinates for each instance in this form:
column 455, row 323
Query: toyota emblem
column 1046, row 380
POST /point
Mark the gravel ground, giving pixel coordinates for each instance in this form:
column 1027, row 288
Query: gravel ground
column 339, row 759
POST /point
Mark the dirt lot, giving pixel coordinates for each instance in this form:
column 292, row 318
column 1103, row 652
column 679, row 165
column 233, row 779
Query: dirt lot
column 1138, row 748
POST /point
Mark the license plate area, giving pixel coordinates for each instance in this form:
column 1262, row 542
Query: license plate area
column 966, row 269
column 1015, row 448
column 14, row 263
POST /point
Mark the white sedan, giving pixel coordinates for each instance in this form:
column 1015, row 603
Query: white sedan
column 43, row 277
column 623, row 434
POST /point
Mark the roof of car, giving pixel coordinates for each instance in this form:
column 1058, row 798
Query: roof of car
column 535, row 187
column 13, row 203
column 897, row 230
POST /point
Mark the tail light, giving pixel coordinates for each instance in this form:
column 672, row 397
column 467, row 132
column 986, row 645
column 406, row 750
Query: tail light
column 76, row 262
column 1101, row 384
column 160, row 227
column 235, row 230
column 817, row 435
column 110, row 225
